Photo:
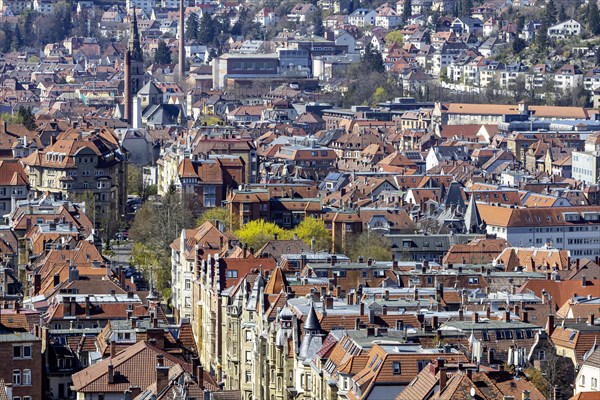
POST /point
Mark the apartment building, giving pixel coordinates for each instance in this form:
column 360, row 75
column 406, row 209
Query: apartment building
column 575, row 228
column 81, row 163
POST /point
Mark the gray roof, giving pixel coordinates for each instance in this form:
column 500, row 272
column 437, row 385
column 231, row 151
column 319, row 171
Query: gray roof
column 312, row 322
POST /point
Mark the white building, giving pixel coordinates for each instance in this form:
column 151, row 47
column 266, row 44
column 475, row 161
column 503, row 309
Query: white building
column 362, row 17
column 576, row 228
column 589, row 374
column 586, row 163
column 145, row 5
column 565, row 29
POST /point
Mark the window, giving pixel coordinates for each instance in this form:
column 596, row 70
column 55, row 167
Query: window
column 582, row 380
column 16, row 377
column 26, row 397
column 594, row 383
column 473, row 280
column 22, row 351
column 396, row 368
column 248, row 357
column 188, row 284
column 231, row 273
column 26, row 377
column 541, row 355
column 210, row 196
column 248, row 376
column 248, row 335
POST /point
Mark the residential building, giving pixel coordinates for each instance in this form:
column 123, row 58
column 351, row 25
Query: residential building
column 574, row 229
column 586, row 163
column 81, row 163
column 565, row 29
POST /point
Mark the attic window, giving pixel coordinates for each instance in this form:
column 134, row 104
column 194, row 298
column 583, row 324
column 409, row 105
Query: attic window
column 572, row 336
column 396, row 368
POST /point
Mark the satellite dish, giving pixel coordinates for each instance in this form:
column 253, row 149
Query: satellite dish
column 472, row 392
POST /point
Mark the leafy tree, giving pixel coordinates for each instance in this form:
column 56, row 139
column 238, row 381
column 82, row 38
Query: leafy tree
column 395, row 37
column 518, row 45
column 314, row 228
column 25, row 116
column 157, row 224
column 379, row 95
column 219, row 216
column 317, row 21
column 407, row 10
column 258, row 232
column 162, row 54
column 369, row 245
column 191, row 27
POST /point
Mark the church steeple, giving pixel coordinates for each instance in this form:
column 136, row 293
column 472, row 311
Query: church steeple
column 134, row 46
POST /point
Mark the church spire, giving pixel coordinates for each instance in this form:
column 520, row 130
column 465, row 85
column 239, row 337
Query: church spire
column 134, row 46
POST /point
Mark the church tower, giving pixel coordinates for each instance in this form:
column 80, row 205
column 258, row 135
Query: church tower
column 136, row 56
column 134, row 69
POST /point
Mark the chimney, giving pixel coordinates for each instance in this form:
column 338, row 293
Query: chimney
column 443, row 378
column 113, row 348
column 460, row 314
column 111, row 373
column 200, row 376
column 487, row 312
column 516, row 309
column 475, row 317
column 329, row 303
column 434, row 322
column 591, row 319
column 583, row 281
column 550, row 324
column 384, row 309
column 162, row 374
column 127, row 89
column 362, row 309
column 507, row 316
column 357, row 324
column 181, row 41
column 133, row 322
column 88, row 306
column 386, row 295
column 524, row 316
column 350, row 299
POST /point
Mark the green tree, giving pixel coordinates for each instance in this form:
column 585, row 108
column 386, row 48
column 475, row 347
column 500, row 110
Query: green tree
column 258, row 232
column 562, row 14
column 369, row 245
column 395, row 37
column 191, row 27
column 373, row 59
column 541, row 38
column 157, row 224
column 314, row 228
column 593, row 18
column 407, row 10
column 8, row 37
column 518, row 45
column 17, row 39
column 219, row 216
column 317, row 21
column 206, row 29
column 25, row 116
column 162, row 54
column 550, row 13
